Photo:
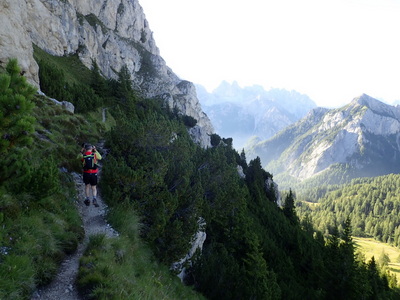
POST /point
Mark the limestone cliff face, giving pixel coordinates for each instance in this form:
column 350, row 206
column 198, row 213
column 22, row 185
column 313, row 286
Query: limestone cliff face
column 114, row 33
column 363, row 136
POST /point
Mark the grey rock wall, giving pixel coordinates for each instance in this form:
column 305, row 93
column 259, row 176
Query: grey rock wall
column 114, row 33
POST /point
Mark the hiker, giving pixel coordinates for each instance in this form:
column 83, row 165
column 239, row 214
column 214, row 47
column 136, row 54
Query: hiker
column 89, row 156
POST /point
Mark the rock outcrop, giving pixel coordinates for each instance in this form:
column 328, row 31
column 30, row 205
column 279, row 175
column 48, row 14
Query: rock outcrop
column 363, row 136
column 114, row 33
column 196, row 245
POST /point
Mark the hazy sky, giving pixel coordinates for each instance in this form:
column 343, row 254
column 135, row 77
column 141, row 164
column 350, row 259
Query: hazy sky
column 332, row 51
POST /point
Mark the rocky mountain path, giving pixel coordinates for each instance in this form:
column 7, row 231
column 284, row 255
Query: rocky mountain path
column 64, row 286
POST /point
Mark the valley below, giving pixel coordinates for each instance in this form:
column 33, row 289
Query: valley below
column 373, row 248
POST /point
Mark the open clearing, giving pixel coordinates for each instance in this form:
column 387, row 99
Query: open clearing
column 371, row 247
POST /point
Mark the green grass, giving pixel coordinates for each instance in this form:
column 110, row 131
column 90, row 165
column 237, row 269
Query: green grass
column 124, row 267
column 74, row 70
column 39, row 223
column 370, row 247
column 37, row 230
column 35, row 236
column 17, row 276
column 59, row 131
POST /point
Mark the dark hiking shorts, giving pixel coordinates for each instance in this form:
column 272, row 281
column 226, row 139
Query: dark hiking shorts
column 90, row 178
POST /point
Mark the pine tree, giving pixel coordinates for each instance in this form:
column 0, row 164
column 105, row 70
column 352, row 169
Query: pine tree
column 124, row 88
column 349, row 273
column 16, row 121
column 52, row 81
column 242, row 161
column 289, row 208
column 97, row 82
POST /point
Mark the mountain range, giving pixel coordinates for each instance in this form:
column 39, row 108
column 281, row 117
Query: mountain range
column 243, row 113
column 359, row 139
column 171, row 190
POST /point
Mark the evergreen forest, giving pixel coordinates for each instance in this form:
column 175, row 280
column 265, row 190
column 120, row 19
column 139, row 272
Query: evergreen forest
column 161, row 189
column 372, row 204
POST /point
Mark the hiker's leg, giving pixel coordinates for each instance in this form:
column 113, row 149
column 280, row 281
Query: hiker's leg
column 94, row 191
column 86, row 181
column 87, row 190
column 93, row 182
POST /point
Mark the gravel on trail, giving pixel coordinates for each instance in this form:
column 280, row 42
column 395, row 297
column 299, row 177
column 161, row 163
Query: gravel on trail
column 63, row 287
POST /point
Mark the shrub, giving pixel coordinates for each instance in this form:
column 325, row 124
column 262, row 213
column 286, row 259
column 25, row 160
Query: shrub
column 215, row 139
column 16, row 121
column 189, row 121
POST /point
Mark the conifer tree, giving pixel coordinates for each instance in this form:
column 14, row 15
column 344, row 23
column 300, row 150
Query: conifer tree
column 243, row 160
column 52, row 81
column 97, row 82
column 16, row 121
column 215, row 139
column 124, row 88
column 289, row 208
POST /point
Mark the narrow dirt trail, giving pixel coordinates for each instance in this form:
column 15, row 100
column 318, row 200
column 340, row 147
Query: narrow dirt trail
column 63, row 287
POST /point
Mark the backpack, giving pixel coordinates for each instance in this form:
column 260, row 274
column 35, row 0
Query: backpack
column 88, row 162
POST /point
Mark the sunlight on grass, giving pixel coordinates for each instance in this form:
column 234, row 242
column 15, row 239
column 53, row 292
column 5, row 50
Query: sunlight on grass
column 118, row 267
column 371, row 247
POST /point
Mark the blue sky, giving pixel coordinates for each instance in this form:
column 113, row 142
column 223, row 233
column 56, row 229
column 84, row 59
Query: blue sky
column 332, row 51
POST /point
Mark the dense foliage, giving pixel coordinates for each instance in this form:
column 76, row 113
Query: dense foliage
column 254, row 248
column 372, row 204
column 39, row 224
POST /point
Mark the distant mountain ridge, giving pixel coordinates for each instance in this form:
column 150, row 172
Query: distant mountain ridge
column 363, row 136
column 241, row 113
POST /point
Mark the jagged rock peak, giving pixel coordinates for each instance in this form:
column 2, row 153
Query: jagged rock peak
column 368, row 101
column 377, row 106
column 114, row 33
column 316, row 112
column 364, row 99
column 363, row 135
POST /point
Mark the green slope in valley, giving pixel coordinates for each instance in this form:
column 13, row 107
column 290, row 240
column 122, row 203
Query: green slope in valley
column 161, row 189
column 372, row 204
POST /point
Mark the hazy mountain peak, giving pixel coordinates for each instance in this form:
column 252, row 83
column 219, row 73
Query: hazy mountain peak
column 363, row 135
column 377, row 106
column 317, row 112
column 244, row 112
column 227, row 90
column 364, row 99
column 368, row 101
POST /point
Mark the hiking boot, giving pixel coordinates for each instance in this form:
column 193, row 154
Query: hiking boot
column 87, row 202
column 95, row 203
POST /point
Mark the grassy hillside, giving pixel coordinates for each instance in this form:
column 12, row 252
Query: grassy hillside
column 125, row 267
column 160, row 188
column 40, row 224
column 372, row 248
column 71, row 66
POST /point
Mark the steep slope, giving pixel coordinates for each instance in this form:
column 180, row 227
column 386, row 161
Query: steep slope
column 363, row 135
column 112, row 33
column 64, row 284
column 154, row 173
